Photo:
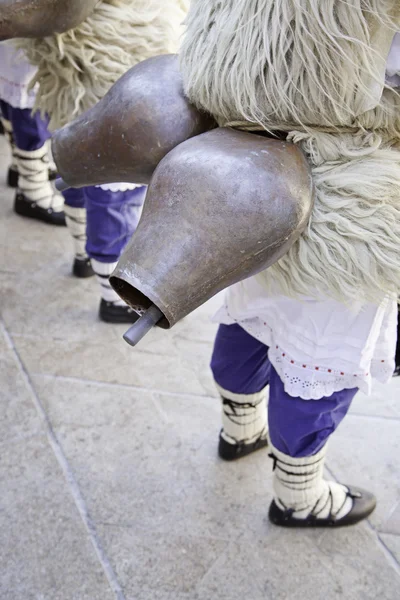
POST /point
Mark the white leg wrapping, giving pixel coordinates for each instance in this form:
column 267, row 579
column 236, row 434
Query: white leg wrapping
column 103, row 272
column 34, row 181
column 8, row 131
column 52, row 164
column 299, row 485
column 244, row 416
column 76, row 223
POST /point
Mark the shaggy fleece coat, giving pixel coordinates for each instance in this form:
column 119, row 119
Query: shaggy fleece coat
column 77, row 68
column 315, row 70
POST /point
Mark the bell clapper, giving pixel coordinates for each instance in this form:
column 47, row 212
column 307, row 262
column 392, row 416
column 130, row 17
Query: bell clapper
column 143, row 325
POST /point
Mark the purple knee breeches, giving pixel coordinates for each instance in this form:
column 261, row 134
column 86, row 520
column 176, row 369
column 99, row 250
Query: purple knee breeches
column 297, row 427
column 112, row 218
column 29, row 130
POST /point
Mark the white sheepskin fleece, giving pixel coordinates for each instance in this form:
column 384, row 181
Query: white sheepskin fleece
column 306, row 67
column 76, row 69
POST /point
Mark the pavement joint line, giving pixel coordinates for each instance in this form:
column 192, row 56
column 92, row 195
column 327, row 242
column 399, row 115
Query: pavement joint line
column 392, row 560
column 383, row 417
column 127, row 386
column 138, row 388
column 70, row 479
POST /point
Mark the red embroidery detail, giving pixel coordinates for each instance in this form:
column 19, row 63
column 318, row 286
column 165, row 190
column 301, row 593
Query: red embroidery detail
column 342, row 373
column 317, row 368
column 304, row 366
column 329, row 370
column 283, row 354
column 292, row 361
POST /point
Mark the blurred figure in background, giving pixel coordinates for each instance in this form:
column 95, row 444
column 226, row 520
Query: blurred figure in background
column 31, row 169
column 117, row 35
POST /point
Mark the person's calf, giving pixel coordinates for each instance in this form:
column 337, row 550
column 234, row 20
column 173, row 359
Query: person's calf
column 303, row 498
column 244, row 424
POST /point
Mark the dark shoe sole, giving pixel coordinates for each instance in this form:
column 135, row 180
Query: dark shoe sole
column 109, row 313
column 364, row 505
column 82, row 268
column 231, row 452
column 12, row 178
column 26, row 208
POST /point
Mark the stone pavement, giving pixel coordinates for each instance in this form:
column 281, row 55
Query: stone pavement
column 110, row 487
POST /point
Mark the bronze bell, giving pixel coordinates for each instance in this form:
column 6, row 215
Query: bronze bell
column 220, row 207
column 39, row 18
column 126, row 135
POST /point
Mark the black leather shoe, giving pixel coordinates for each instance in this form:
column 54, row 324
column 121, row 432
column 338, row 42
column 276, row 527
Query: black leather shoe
column 113, row 313
column 229, row 451
column 12, row 178
column 27, row 208
column 364, row 504
column 82, row 268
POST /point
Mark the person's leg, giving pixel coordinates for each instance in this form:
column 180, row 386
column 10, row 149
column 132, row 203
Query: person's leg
column 30, row 130
column 75, row 216
column 241, row 371
column 299, row 430
column 5, row 116
column 112, row 218
column 36, row 197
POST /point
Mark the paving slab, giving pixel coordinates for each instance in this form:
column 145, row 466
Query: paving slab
column 384, row 401
column 114, row 361
column 45, row 552
column 296, row 565
column 153, row 565
column 18, row 416
column 364, row 452
column 137, row 468
column 155, row 487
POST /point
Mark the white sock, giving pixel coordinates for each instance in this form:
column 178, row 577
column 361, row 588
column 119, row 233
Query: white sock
column 76, row 223
column 103, row 272
column 299, row 485
column 34, row 181
column 8, row 131
column 244, row 416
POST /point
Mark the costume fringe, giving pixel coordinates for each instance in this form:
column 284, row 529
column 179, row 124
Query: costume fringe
column 308, row 68
column 351, row 247
column 303, row 62
column 77, row 68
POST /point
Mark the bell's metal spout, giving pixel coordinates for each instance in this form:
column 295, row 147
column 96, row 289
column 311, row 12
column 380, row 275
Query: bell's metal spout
column 126, row 135
column 40, row 18
column 143, row 325
column 220, row 207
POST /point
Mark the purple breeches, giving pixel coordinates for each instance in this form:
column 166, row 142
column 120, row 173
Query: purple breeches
column 297, row 427
column 30, row 131
column 112, row 218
